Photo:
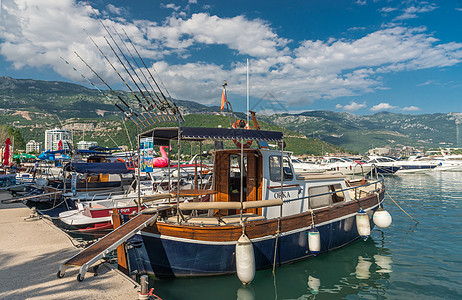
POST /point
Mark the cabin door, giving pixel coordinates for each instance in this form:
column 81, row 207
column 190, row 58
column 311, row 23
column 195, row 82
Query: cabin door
column 228, row 178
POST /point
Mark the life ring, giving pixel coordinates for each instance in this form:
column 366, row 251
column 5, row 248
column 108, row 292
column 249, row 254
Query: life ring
column 236, row 126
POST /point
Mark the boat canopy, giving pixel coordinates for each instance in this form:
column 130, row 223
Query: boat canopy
column 79, row 151
column 161, row 136
column 101, row 148
column 98, row 168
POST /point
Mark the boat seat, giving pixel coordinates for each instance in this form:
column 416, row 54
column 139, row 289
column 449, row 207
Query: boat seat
column 92, row 205
column 362, row 191
column 236, row 219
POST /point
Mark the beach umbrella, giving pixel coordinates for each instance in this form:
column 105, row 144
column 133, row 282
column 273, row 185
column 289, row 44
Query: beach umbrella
column 60, row 145
column 6, row 153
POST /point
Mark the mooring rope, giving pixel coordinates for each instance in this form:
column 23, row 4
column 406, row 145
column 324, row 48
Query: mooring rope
column 43, row 218
column 47, row 209
column 400, row 207
column 276, row 245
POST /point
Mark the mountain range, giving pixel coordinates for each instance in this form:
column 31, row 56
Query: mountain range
column 34, row 106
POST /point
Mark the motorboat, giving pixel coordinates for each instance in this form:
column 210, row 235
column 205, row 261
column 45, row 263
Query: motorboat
column 383, row 165
column 345, row 165
column 303, row 166
column 93, row 216
column 415, row 165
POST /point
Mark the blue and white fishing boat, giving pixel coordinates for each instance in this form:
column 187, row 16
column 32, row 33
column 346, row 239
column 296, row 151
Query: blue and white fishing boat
column 255, row 218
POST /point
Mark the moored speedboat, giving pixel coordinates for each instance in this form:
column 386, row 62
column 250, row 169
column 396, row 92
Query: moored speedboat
column 384, row 165
column 302, row 166
column 345, row 165
column 414, row 165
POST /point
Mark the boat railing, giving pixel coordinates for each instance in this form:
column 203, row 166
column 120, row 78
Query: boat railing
column 355, row 188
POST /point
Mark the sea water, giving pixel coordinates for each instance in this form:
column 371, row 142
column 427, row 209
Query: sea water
column 408, row 260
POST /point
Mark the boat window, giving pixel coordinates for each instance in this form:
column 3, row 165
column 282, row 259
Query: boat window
column 319, row 201
column 235, row 163
column 338, row 195
column 235, row 173
column 275, row 169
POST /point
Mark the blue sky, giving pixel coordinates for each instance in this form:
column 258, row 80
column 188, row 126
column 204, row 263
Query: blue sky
column 358, row 56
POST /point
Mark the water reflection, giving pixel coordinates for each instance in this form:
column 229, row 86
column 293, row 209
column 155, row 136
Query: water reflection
column 360, row 269
column 314, row 284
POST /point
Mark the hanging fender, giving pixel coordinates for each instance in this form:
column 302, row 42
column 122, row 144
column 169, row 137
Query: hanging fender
column 236, row 126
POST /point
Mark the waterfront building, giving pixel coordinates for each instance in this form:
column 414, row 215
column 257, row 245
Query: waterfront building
column 85, row 145
column 33, row 146
column 53, row 136
column 379, row 151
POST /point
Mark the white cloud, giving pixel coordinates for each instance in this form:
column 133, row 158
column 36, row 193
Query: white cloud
column 248, row 37
column 115, row 10
column 388, row 9
column 383, row 106
column 170, row 6
column 36, row 35
column 428, row 82
column 353, row 106
column 413, row 11
column 411, row 108
column 387, row 48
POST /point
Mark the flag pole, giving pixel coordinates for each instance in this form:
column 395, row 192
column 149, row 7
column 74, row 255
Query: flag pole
column 225, row 97
column 248, row 109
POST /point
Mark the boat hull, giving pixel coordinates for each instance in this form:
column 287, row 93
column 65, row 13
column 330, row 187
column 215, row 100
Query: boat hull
column 405, row 169
column 386, row 170
column 171, row 256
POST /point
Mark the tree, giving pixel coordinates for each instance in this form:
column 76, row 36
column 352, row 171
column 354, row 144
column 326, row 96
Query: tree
column 13, row 134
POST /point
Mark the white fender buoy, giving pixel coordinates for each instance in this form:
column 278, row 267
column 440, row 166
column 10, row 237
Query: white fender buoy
column 314, row 240
column 245, row 260
column 362, row 224
column 382, row 218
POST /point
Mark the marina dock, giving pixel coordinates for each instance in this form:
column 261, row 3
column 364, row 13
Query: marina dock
column 31, row 252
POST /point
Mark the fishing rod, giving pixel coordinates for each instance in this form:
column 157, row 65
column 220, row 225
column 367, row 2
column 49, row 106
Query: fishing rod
column 127, row 114
column 161, row 109
column 131, row 77
column 102, row 80
column 164, row 103
column 120, row 60
column 107, row 59
column 149, row 72
column 126, row 130
column 152, row 105
column 139, row 56
column 171, row 100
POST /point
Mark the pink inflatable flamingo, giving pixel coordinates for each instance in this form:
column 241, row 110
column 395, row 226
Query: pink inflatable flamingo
column 161, row 162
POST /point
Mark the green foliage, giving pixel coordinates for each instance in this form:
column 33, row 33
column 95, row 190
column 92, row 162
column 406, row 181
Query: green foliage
column 14, row 134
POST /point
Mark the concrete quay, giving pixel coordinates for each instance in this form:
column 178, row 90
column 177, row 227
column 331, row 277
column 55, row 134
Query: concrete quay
column 31, row 253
